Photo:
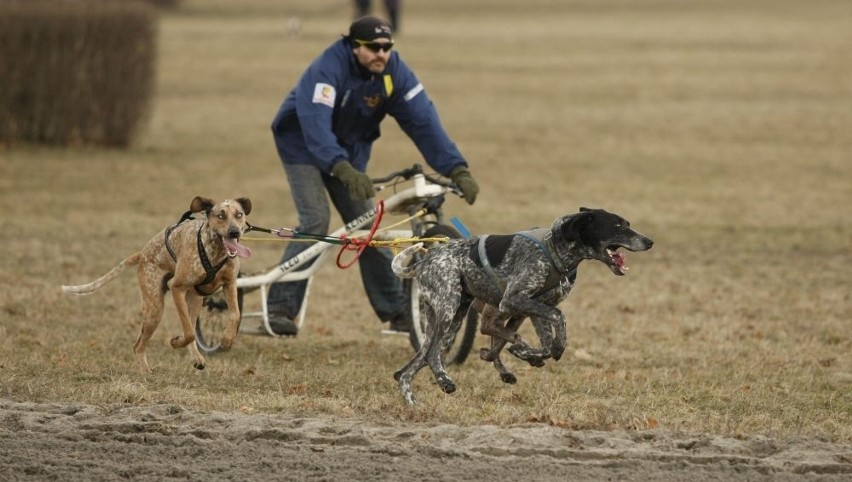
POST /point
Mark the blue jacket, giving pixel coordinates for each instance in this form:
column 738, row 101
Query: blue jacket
column 335, row 110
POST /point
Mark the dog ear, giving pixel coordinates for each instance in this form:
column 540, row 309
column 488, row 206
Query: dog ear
column 201, row 204
column 246, row 204
column 573, row 229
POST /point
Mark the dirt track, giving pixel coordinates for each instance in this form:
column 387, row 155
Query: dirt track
column 162, row 442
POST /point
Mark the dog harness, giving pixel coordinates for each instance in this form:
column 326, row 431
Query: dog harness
column 209, row 269
column 186, row 217
column 543, row 239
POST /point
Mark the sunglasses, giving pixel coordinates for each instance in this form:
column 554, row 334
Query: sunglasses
column 375, row 46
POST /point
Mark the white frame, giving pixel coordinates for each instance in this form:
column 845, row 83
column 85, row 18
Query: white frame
column 287, row 271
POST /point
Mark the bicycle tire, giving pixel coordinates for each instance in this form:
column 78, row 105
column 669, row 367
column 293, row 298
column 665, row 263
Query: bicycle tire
column 459, row 349
column 212, row 320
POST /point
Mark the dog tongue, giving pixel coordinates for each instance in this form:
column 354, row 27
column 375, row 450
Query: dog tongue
column 619, row 259
column 234, row 247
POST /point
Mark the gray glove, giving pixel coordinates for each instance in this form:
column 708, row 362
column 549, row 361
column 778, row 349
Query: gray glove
column 462, row 178
column 359, row 184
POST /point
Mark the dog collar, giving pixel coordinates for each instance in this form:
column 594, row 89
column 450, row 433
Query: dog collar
column 557, row 260
column 543, row 238
column 565, row 277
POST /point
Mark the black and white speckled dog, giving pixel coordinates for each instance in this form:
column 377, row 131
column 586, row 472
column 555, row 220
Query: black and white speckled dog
column 521, row 275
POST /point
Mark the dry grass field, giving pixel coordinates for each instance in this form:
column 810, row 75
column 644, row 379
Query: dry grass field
column 720, row 128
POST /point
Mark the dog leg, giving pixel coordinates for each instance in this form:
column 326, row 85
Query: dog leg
column 505, row 374
column 535, row 356
column 497, row 346
column 179, row 294
column 152, row 302
column 194, row 303
column 528, row 354
column 498, row 342
column 430, row 316
column 543, row 317
column 432, row 349
column 560, row 340
column 230, row 332
column 500, row 335
column 552, row 335
column 405, row 375
column 491, row 325
column 444, row 339
column 446, row 312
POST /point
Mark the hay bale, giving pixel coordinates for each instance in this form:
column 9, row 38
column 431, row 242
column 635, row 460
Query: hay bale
column 75, row 72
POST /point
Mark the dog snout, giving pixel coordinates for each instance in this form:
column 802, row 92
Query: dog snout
column 639, row 242
column 234, row 233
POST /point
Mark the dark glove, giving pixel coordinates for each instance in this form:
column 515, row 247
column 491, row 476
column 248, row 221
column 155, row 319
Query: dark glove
column 462, row 178
column 359, row 184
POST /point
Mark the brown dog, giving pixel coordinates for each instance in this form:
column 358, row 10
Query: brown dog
column 193, row 258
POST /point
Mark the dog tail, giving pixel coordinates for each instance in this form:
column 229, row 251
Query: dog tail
column 399, row 261
column 98, row 283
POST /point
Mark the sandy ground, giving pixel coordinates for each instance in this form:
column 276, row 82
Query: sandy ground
column 165, row 442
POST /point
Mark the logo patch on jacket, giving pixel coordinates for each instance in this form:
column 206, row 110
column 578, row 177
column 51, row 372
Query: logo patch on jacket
column 373, row 101
column 324, row 94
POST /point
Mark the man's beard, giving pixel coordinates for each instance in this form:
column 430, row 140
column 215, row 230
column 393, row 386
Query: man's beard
column 377, row 66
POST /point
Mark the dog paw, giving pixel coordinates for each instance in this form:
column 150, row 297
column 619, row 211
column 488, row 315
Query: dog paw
column 180, row 341
column 536, row 361
column 447, row 385
column 557, row 351
column 407, row 395
column 508, row 378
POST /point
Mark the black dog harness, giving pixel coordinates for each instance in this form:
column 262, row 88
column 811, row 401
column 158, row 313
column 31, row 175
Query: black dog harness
column 493, row 248
column 209, row 269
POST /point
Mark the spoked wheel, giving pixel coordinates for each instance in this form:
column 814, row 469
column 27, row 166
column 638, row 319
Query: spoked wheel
column 461, row 345
column 212, row 321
